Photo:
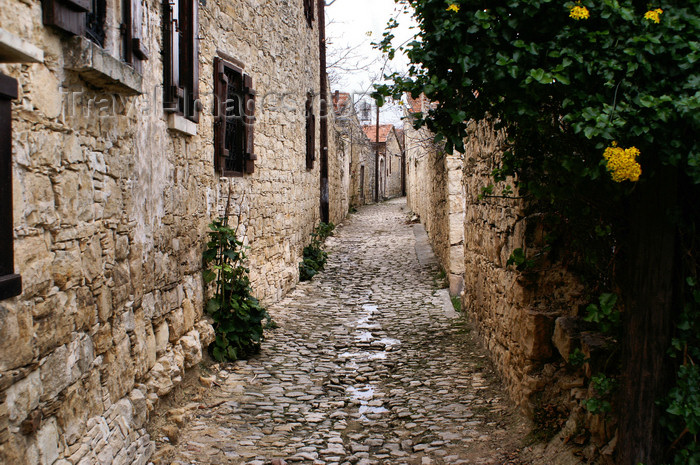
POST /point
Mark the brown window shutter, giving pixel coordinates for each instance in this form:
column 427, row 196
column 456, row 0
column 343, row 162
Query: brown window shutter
column 249, row 122
column 10, row 283
column 313, row 139
column 127, row 30
column 138, row 44
column 66, row 15
column 220, row 85
column 310, row 132
column 193, row 49
column 171, row 56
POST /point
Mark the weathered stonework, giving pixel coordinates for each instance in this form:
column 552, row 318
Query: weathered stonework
column 355, row 144
column 111, row 207
column 394, row 160
column 435, row 193
column 389, row 154
column 514, row 312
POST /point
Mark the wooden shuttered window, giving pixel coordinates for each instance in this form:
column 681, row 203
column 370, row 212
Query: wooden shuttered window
column 310, row 132
column 133, row 43
column 234, row 120
column 87, row 18
column 66, row 15
column 181, row 58
column 309, row 12
column 10, row 283
column 77, row 17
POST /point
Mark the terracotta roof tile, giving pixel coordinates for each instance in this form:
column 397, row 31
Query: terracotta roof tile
column 340, row 100
column 420, row 104
column 384, row 130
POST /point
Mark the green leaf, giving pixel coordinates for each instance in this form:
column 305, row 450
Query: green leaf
column 208, row 276
column 213, row 305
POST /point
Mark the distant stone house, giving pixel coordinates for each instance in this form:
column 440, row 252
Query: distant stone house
column 125, row 127
column 354, row 143
column 391, row 159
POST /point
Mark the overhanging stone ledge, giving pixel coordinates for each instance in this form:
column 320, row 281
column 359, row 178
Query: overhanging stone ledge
column 14, row 49
column 101, row 69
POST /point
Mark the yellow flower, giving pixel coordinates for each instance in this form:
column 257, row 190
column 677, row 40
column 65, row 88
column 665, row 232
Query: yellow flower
column 654, row 15
column 579, row 12
column 622, row 163
column 453, row 7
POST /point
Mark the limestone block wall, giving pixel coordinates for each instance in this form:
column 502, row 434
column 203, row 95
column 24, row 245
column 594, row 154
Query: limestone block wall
column 393, row 160
column 356, row 146
column 513, row 312
column 110, row 214
column 339, row 172
column 366, row 162
column 435, row 192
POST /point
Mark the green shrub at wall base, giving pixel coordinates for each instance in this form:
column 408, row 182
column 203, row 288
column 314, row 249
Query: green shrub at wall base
column 314, row 256
column 238, row 316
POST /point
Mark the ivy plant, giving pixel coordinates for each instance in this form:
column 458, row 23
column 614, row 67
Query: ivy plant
column 603, row 388
column 682, row 405
column 239, row 319
column 314, row 257
column 604, row 313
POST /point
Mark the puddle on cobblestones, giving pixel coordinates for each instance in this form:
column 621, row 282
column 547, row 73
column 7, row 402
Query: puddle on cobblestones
column 363, row 356
column 389, row 342
column 365, row 396
column 367, row 409
column 369, row 308
column 363, row 323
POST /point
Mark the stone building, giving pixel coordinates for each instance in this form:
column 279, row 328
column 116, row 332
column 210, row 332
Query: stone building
column 125, row 128
column 391, row 159
column 355, row 145
column 435, row 193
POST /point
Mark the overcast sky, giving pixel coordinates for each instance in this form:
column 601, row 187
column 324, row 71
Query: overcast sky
column 355, row 24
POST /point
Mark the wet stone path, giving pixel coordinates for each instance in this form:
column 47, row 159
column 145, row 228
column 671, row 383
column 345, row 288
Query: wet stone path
column 368, row 366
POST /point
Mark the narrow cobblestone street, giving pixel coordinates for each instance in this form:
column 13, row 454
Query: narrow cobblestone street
column 369, row 365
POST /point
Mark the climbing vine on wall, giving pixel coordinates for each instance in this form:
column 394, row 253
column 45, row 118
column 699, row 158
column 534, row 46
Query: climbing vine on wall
column 239, row 318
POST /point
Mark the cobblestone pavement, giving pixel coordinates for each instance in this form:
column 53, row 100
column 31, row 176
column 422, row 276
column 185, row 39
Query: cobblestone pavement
column 367, row 367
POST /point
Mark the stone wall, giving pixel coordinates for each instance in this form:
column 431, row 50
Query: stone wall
column 338, row 172
column 393, row 165
column 435, row 193
column 354, row 146
column 111, row 206
column 362, row 165
column 514, row 312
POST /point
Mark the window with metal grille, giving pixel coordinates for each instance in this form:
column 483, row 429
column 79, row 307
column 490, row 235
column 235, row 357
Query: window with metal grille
column 310, row 132
column 181, row 58
column 234, row 120
column 10, row 283
column 88, row 18
column 95, row 22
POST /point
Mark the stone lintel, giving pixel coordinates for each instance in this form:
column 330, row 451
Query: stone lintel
column 101, row 69
column 14, row 49
column 182, row 125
